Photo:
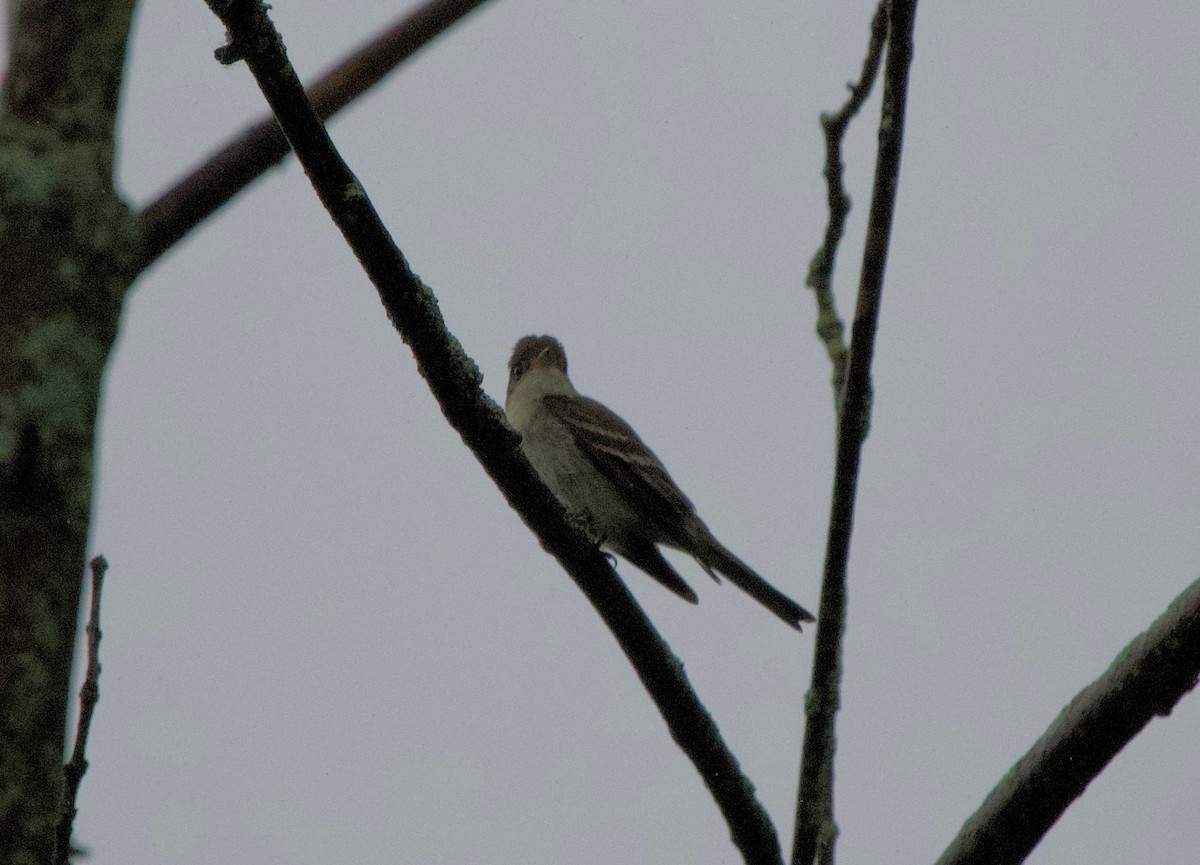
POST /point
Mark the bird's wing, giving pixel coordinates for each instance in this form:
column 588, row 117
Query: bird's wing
column 615, row 449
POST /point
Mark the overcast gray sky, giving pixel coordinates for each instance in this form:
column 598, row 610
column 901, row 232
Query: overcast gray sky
column 328, row 639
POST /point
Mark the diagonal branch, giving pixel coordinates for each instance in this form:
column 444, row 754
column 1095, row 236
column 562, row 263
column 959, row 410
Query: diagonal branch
column 815, row 827
column 1148, row 678
column 262, row 146
column 455, row 383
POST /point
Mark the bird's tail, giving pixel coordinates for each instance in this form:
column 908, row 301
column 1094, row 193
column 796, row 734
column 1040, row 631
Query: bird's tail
column 716, row 558
column 646, row 556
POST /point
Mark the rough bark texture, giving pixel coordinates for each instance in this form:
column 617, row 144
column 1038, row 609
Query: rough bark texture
column 69, row 246
column 69, row 251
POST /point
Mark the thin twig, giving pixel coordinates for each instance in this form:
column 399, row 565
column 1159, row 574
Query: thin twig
column 89, row 694
column 1147, row 679
column 820, row 270
column 455, row 383
column 815, row 827
column 238, row 163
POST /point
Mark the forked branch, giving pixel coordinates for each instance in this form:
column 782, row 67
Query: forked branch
column 815, row 827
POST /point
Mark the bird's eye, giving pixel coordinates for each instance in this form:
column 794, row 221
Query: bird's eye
column 519, row 368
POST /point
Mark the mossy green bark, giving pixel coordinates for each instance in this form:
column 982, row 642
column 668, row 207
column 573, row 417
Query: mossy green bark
column 68, row 247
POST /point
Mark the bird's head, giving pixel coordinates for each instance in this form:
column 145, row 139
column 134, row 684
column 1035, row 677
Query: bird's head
column 535, row 352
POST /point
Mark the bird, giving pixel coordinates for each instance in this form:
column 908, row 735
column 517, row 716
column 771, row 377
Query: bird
column 604, row 474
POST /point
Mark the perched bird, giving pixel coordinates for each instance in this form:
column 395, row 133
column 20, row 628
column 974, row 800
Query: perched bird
column 600, row 470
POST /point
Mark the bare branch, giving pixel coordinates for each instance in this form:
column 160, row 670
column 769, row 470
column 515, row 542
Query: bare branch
column 820, row 269
column 815, row 827
column 455, row 382
column 89, row 694
column 238, row 163
column 1148, row 678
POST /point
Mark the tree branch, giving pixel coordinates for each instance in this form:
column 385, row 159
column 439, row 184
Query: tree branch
column 262, row 146
column 815, row 827
column 455, row 383
column 89, row 695
column 820, row 269
column 46, row 38
column 1148, row 678
column 68, row 242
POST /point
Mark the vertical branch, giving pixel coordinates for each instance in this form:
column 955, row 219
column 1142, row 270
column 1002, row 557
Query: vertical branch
column 820, row 268
column 815, row 827
column 69, row 243
column 89, row 695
